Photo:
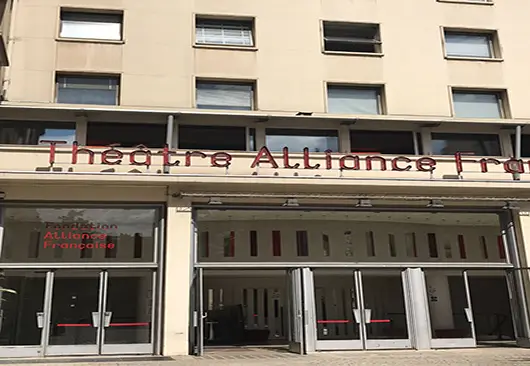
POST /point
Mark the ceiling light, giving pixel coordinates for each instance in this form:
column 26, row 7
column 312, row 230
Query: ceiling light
column 291, row 202
column 364, row 203
column 215, row 201
column 435, row 204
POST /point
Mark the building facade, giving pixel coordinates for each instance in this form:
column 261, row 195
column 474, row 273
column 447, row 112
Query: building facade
column 183, row 174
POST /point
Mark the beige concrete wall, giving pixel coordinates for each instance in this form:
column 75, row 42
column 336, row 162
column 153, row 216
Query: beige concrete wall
column 177, row 281
column 158, row 62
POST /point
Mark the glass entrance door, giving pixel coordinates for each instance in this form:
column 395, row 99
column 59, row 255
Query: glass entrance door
column 101, row 312
column 384, row 310
column 75, row 312
column 451, row 316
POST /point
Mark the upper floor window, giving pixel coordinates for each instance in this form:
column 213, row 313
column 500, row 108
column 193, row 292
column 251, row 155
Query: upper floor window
column 226, row 32
column 354, row 100
column 220, row 95
column 126, row 134
column 91, row 25
column 298, row 139
column 478, row 104
column 465, row 143
column 352, row 37
column 382, row 142
column 220, row 138
column 470, row 44
column 33, row 133
column 87, row 89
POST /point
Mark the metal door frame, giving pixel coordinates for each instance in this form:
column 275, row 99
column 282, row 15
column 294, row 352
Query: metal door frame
column 344, row 344
column 76, row 350
column 458, row 342
column 296, row 310
column 404, row 343
column 198, row 314
column 126, row 348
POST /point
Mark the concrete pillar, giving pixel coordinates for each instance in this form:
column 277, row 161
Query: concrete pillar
column 177, row 278
column 439, row 298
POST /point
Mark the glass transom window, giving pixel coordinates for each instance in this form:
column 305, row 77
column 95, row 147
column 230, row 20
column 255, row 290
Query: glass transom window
column 86, row 25
column 465, row 143
column 354, row 100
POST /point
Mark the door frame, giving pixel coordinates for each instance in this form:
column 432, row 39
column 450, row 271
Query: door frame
column 400, row 343
column 469, row 342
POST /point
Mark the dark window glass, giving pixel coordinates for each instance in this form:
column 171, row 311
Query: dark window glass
column 302, row 249
column 525, row 145
column 471, row 144
column 126, row 134
column 433, row 245
column 253, row 243
column 297, row 139
column 80, row 234
column 87, row 90
column 32, row 133
column 212, row 138
column 351, row 37
column 382, row 142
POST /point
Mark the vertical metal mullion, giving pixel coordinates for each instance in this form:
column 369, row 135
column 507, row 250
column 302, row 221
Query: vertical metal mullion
column 469, row 305
column 200, row 307
column 160, row 258
column 2, row 213
column 154, row 310
column 360, row 305
column 103, row 286
column 415, row 143
column 47, row 309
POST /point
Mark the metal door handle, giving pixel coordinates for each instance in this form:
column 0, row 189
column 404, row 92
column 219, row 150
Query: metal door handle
column 367, row 316
column 357, row 315
column 95, row 319
column 40, row 320
column 469, row 314
column 108, row 316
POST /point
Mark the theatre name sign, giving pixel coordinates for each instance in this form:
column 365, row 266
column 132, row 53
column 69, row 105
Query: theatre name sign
column 264, row 158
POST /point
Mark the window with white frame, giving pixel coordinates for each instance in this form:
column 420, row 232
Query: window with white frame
column 478, row 104
column 469, row 44
column 222, row 95
column 351, row 37
column 354, row 100
column 87, row 89
column 225, row 32
column 91, row 25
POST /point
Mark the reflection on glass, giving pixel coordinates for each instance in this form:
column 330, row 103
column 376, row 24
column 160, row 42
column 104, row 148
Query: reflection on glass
column 484, row 247
column 129, row 307
column 297, row 140
column 469, row 144
column 33, row 133
column 335, row 299
column 21, row 306
column 383, row 296
column 74, row 307
column 448, row 305
column 33, row 234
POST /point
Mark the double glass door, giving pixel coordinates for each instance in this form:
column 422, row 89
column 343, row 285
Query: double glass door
column 77, row 312
column 361, row 310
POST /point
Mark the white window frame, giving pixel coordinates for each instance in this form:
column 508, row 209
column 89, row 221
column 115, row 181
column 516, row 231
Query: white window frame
column 84, row 16
column 59, row 76
column 251, row 84
column 492, row 36
column 224, row 24
column 501, row 96
column 379, row 89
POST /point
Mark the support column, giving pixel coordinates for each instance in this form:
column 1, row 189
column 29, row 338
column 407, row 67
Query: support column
column 81, row 129
column 439, row 297
column 417, row 308
column 515, row 227
column 177, row 279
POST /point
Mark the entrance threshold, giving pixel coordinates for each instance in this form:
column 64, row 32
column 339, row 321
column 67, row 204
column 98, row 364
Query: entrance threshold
column 85, row 359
